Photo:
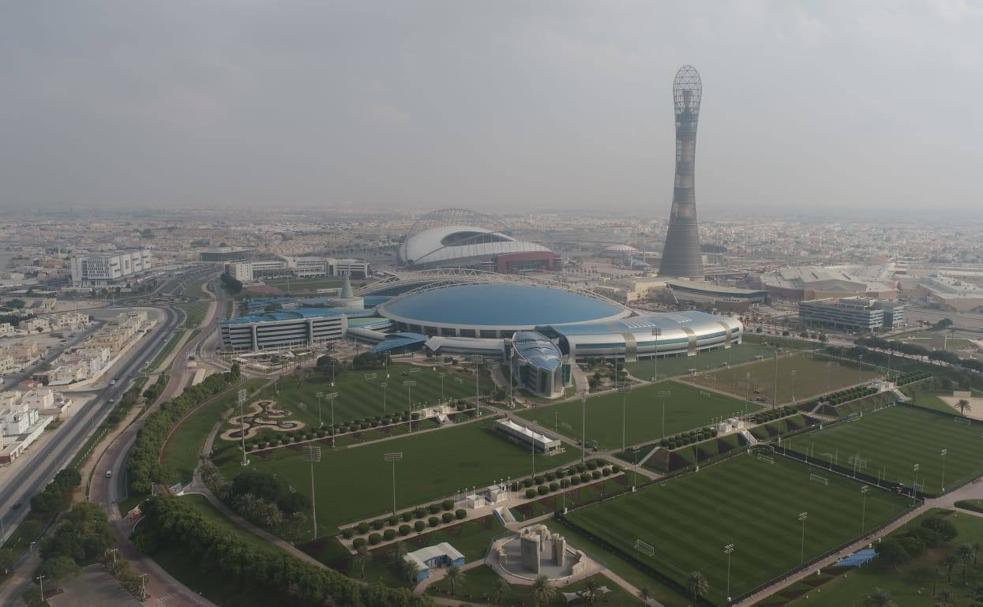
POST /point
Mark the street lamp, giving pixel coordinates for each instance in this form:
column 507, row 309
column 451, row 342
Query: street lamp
column 863, row 507
column 793, row 374
column 914, row 483
column 656, row 333
column 393, row 458
column 802, row 550
column 241, row 397
column 320, row 422
column 728, row 550
column 313, row 455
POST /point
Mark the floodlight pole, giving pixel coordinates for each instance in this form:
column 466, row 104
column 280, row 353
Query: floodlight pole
column 774, row 397
column 728, row 550
column 478, row 360
column 942, row 455
column 914, row 483
column 624, row 414
column 384, row 385
column 313, row 455
column 393, row 458
column 663, row 394
column 583, row 427
column 802, row 550
column 656, row 333
column 241, row 397
column 320, row 421
column 331, row 397
column 863, row 508
column 442, row 375
column 409, row 398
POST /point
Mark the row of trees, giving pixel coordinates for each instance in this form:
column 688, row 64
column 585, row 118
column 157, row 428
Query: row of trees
column 170, row 522
column 266, row 500
column 82, row 538
column 915, row 350
column 231, row 285
column 142, row 466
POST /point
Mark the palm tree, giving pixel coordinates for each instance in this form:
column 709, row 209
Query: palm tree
column 965, row 555
column 398, row 553
column 360, row 560
column 410, row 571
column 878, row 598
column 502, row 592
column 962, row 405
column 542, row 592
column 454, row 577
column 697, row 586
column 590, row 594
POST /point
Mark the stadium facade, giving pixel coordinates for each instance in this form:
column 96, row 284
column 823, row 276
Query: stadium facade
column 681, row 254
column 458, row 238
column 540, row 329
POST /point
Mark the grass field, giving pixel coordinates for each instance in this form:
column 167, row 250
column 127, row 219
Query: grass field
column 704, row 361
column 686, row 407
column 181, row 453
column 800, row 377
column 195, row 312
column 361, row 395
column 355, row 483
column 936, row 340
column 912, row 584
column 892, row 440
column 750, row 503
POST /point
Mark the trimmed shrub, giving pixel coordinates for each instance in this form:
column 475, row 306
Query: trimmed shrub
column 347, row 533
column 550, row 476
column 433, row 508
column 447, row 517
column 378, row 524
column 554, row 486
column 419, row 526
column 389, row 534
column 530, row 493
column 616, row 468
column 592, row 464
column 538, row 479
column 447, row 504
column 564, row 483
column 406, row 517
column 433, row 521
column 363, row 528
column 391, row 521
column 527, row 482
column 596, row 474
column 460, row 513
column 606, row 471
column 574, row 480
column 374, row 539
column 405, row 529
column 542, row 489
column 584, row 477
column 419, row 512
column 358, row 542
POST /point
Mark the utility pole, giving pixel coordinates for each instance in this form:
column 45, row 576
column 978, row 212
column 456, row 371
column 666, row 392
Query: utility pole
column 242, row 396
column 393, row 458
column 313, row 454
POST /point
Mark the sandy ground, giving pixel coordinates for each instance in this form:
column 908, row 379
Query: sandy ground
column 975, row 410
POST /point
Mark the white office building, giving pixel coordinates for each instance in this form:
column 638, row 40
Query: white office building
column 101, row 269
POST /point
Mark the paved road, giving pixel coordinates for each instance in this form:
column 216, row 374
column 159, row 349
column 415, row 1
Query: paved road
column 54, row 454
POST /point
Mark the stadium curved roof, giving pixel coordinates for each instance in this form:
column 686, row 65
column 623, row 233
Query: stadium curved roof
column 500, row 306
column 454, row 243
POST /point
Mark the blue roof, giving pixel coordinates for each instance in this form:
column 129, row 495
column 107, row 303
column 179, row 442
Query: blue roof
column 499, row 304
column 858, row 558
column 297, row 313
column 396, row 341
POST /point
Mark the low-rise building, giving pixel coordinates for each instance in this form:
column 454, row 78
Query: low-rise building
column 101, row 269
column 852, row 314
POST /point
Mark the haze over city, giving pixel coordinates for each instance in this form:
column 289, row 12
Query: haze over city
column 809, row 107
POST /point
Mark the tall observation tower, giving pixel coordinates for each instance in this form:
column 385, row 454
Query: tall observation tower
column 681, row 255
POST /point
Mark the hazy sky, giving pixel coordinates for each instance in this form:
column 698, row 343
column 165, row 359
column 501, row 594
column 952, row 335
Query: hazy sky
column 493, row 105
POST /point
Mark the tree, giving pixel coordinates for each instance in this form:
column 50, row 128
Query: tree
column 878, row 598
column 542, row 591
column 949, row 562
column 892, row 552
column 697, row 586
column 965, row 555
column 502, row 593
column 454, row 577
column 410, row 571
column 962, row 405
column 645, row 593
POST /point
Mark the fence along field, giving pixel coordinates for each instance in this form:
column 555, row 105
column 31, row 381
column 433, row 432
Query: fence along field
column 888, row 443
column 749, row 502
column 800, row 377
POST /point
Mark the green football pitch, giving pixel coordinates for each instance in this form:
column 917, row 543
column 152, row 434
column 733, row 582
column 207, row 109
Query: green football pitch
column 672, row 366
column 887, row 444
column 682, row 525
column 800, row 377
column 686, row 407
column 356, row 483
column 361, row 393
